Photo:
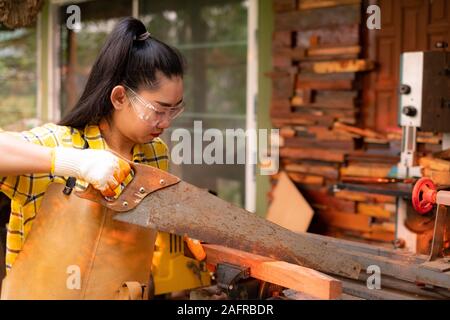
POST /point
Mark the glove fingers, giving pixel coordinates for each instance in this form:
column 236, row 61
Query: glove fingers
column 122, row 172
column 108, row 192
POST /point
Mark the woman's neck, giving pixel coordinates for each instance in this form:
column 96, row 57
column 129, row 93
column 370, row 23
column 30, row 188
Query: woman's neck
column 115, row 140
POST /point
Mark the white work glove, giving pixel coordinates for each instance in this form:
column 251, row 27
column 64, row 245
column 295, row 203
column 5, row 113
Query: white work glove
column 102, row 169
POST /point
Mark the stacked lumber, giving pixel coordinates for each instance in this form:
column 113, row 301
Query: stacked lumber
column 437, row 167
column 316, row 78
column 317, row 88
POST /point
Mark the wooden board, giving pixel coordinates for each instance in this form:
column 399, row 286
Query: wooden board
column 324, row 17
column 285, row 274
column 336, row 99
column 313, row 143
column 364, row 197
column 438, row 177
column 345, row 220
column 361, row 132
column 434, row 164
column 303, row 178
column 314, row 154
column 334, row 51
column 322, row 133
column 373, row 210
column 279, row 119
column 315, row 4
column 289, row 208
column 330, row 36
column 366, row 170
column 329, row 172
column 284, row 5
column 353, row 65
column 282, row 39
column 323, row 200
column 324, row 85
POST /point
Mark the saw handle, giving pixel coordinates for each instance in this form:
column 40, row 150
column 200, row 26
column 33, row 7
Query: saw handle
column 147, row 179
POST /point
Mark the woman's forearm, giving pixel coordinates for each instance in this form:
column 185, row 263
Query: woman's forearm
column 19, row 157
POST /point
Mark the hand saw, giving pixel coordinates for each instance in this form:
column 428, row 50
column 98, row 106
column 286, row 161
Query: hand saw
column 158, row 200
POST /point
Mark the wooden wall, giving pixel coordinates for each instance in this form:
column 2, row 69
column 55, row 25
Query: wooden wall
column 407, row 25
column 335, row 100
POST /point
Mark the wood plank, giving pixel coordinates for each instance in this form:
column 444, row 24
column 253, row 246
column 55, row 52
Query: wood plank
column 281, row 59
column 295, row 54
column 329, row 172
column 334, row 51
column 281, row 119
column 304, row 76
column 283, row 105
column 379, row 236
column 366, row 170
column 336, row 99
column 434, row 164
column 322, row 200
column 364, row 197
column 320, row 117
column 287, row 132
column 384, row 226
column 343, row 220
column 303, row 178
column 325, row 144
column 324, row 17
column 284, row 5
column 361, row 132
column 285, row 274
column 315, row 4
column 324, row 85
column 444, row 154
column 283, row 87
column 352, row 65
column 313, row 153
column 282, row 39
column 373, row 210
column 289, row 208
column 330, row 36
column 323, row 133
column 438, row 177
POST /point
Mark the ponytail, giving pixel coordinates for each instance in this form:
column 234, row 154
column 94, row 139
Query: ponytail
column 131, row 57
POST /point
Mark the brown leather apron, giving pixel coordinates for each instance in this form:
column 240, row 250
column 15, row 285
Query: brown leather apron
column 75, row 250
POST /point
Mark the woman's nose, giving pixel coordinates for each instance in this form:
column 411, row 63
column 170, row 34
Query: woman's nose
column 164, row 123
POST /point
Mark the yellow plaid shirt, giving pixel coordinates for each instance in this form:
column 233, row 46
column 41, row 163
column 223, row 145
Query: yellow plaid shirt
column 26, row 191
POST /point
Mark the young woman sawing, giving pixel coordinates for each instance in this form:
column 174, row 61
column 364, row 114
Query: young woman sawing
column 134, row 91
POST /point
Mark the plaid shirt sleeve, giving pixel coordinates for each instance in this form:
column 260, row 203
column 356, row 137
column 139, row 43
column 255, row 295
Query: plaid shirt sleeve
column 24, row 188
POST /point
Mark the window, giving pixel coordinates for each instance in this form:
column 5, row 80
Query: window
column 79, row 49
column 18, row 76
column 212, row 35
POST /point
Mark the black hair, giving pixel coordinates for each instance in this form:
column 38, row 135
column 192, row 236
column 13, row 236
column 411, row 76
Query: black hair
column 125, row 59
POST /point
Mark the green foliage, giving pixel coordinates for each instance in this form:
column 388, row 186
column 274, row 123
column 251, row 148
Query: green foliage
column 17, row 75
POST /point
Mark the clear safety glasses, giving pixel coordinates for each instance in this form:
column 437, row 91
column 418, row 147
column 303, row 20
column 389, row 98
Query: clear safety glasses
column 147, row 110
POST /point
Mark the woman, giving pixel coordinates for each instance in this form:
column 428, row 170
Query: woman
column 134, row 91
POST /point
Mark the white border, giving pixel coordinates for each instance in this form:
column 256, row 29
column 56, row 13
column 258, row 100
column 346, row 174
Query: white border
column 252, row 94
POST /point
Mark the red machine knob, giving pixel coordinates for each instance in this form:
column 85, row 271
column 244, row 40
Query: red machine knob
column 424, row 195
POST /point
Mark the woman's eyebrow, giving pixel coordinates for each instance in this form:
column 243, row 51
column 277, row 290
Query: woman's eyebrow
column 165, row 104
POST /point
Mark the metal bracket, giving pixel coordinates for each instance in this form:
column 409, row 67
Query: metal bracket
column 227, row 275
column 434, row 262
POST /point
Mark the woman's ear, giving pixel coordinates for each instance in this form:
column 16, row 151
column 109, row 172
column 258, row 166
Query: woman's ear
column 119, row 97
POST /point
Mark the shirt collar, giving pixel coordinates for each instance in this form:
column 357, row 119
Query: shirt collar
column 95, row 140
